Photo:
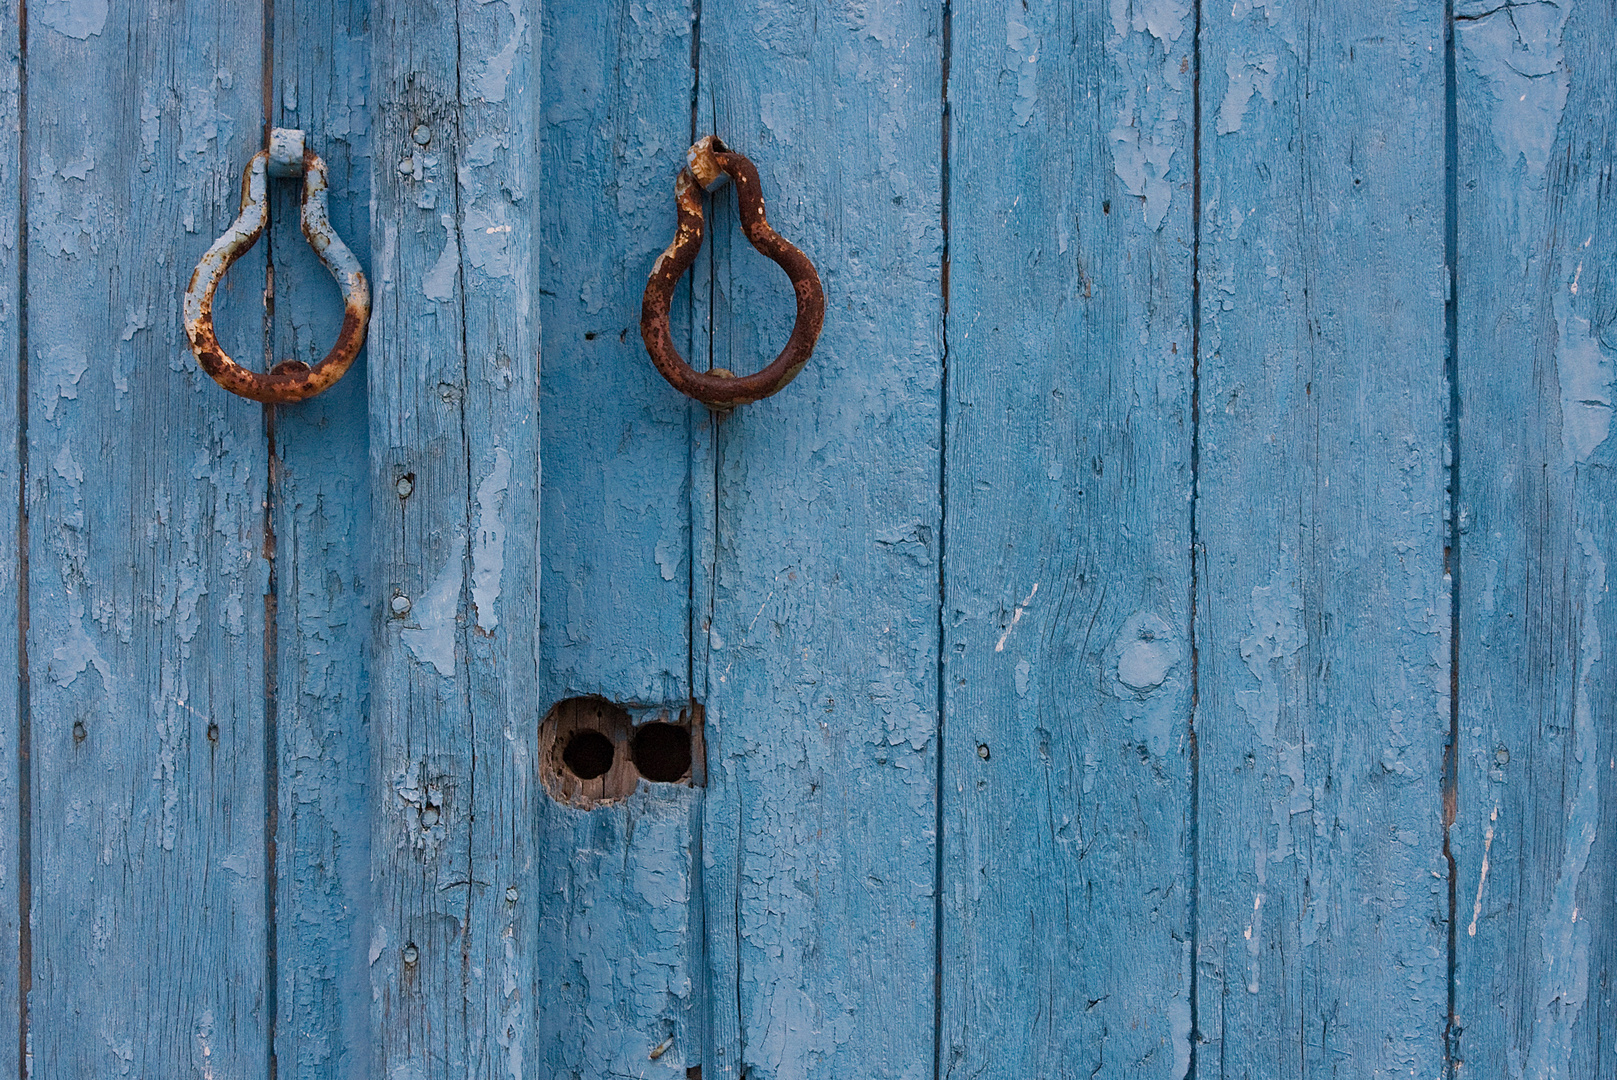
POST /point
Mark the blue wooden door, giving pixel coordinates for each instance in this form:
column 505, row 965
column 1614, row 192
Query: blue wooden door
column 1164, row 631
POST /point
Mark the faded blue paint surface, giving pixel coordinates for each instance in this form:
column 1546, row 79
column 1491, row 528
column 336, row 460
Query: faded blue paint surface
column 454, row 443
column 1081, row 636
column 146, row 579
column 324, row 600
column 820, row 648
column 1535, row 835
column 620, row 973
column 11, row 567
column 1067, row 666
column 1323, row 605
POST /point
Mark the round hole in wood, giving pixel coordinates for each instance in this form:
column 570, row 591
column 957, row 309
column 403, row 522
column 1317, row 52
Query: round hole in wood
column 662, row 752
column 584, row 756
column 588, row 754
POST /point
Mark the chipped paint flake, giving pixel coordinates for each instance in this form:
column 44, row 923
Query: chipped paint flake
column 1162, row 19
column 1584, row 370
column 514, row 1018
column 66, row 465
column 439, row 282
column 203, row 126
column 1144, row 664
column 431, row 639
column 1179, row 1026
column 1016, row 618
column 488, row 236
column 669, row 554
column 1248, row 75
column 1023, row 46
column 1153, row 73
column 488, row 548
column 490, row 83
column 80, row 19
column 73, row 656
column 1023, row 670
column 1145, row 660
column 61, row 369
column 1517, row 49
column 151, row 123
column 1482, row 879
column 1277, row 633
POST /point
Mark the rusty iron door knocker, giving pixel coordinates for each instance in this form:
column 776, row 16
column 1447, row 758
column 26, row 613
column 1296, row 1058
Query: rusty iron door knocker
column 708, row 163
column 290, row 380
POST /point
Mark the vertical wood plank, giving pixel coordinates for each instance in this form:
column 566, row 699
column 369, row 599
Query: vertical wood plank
column 11, row 565
column 147, row 577
column 1535, row 836
column 1067, row 666
column 821, row 655
column 1323, row 621
column 321, row 505
column 454, row 456
column 619, row 969
column 620, row 973
column 617, row 122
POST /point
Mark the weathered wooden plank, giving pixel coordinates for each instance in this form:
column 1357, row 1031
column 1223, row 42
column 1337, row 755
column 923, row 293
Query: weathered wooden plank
column 821, row 654
column 147, row 577
column 1535, row 833
column 12, row 459
column 617, row 121
column 320, row 497
column 619, row 968
column 1067, row 666
column 454, row 444
column 1323, row 611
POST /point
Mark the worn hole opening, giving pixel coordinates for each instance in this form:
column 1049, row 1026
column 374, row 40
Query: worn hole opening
column 584, row 752
column 662, row 752
column 588, row 755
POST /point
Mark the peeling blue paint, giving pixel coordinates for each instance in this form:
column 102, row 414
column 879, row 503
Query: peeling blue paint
column 81, row 19
column 1517, row 50
column 488, row 543
column 1584, row 369
column 429, row 633
column 1565, row 939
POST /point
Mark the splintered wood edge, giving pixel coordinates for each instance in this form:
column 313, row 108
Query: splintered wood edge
column 573, row 715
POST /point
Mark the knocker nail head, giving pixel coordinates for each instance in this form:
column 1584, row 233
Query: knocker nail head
column 709, row 163
column 290, row 380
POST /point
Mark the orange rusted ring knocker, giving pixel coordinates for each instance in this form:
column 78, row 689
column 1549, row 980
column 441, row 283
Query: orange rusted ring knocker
column 709, row 162
column 290, row 380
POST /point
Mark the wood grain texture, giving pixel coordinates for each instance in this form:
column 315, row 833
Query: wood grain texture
column 12, row 461
column 620, row 964
column 616, row 127
column 1535, row 836
column 821, row 650
column 1067, row 668
column 147, row 571
column 321, row 506
column 1323, row 608
column 454, row 444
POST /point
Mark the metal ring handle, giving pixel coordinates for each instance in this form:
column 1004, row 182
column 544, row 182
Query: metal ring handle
column 709, row 162
column 290, row 380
